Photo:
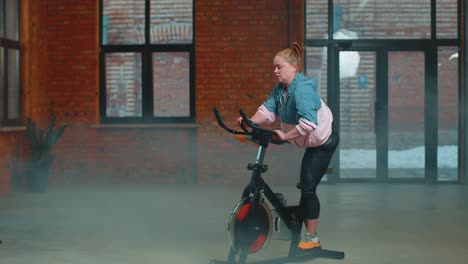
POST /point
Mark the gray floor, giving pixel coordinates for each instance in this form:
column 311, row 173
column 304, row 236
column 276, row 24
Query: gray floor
column 187, row 224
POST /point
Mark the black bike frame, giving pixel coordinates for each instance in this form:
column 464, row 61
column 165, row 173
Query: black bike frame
column 261, row 187
column 257, row 186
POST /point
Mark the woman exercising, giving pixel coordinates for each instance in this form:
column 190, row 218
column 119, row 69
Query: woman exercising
column 307, row 122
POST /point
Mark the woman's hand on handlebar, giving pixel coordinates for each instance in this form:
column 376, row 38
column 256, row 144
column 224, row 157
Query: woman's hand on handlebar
column 279, row 135
column 239, row 120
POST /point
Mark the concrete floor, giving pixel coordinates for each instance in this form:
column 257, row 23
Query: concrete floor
column 116, row 224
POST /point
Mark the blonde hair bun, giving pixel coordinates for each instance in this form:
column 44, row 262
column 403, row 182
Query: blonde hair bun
column 297, row 48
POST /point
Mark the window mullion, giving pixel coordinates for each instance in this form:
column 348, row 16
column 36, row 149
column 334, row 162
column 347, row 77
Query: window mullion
column 147, row 22
column 147, row 83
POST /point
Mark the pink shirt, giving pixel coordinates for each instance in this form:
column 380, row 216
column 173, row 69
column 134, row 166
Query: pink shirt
column 312, row 135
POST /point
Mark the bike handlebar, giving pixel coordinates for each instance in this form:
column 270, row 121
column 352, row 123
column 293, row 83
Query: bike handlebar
column 256, row 129
column 254, row 125
column 221, row 124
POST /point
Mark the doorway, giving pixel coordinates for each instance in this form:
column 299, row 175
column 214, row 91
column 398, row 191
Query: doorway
column 387, row 102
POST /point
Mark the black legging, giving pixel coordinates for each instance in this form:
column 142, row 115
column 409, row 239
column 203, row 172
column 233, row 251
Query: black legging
column 314, row 165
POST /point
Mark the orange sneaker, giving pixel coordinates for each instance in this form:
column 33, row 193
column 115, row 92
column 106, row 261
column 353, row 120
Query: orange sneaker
column 309, row 242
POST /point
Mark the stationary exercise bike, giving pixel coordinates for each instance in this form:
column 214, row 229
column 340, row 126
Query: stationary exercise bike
column 252, row 224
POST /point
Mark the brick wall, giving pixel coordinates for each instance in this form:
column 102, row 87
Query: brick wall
column 6, row 149
column 59, row 74
column 235, row 44
column 235, row 41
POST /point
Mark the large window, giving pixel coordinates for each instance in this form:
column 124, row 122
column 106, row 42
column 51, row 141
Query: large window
column 10, row 101
column 390, row 72
column 147, row 61
column 391, row 19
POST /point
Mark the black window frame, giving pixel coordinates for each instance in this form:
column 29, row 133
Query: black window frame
column 7, row 45
column 146, row 50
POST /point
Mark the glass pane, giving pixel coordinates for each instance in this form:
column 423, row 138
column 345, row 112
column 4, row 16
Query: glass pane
column 171, row 82
column 392, row 19
column 406, row 157
column 358, row 156
column 12, row 19
column 316, row 68
column 447, row 153
column 123, row 85
column 316, row 19
column 447, row 21
column 123, row 22
column 13, row 85
column 171, row 21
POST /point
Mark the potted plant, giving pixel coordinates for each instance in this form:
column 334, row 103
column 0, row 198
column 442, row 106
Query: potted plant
column 41, row 142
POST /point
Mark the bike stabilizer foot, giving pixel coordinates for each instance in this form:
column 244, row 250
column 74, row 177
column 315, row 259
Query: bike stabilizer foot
column 301, row 255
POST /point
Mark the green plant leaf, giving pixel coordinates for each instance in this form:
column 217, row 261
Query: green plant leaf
column 43, row 140
column 31, row 131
